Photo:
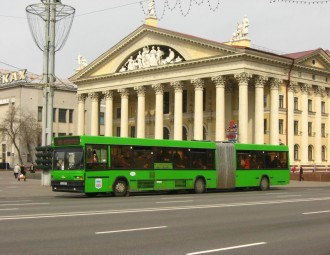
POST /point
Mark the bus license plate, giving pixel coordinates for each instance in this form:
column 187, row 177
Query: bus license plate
column 63, row 183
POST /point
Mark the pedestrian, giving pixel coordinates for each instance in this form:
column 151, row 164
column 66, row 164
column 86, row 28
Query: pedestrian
column 17, row 170
column 301, row 171
column 32, row 168
column 294, row 169
column 23, row 173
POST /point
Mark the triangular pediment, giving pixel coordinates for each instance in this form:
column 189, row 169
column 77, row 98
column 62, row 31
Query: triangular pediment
column 152, row 47
column 318, row 59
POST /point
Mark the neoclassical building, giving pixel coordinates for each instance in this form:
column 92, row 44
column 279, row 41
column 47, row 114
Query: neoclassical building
column 158, row 83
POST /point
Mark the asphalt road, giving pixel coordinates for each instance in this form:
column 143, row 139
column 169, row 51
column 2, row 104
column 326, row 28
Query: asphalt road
column 284, row 220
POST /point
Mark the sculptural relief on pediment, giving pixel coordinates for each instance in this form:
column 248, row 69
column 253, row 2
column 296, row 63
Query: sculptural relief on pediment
column 151, row 56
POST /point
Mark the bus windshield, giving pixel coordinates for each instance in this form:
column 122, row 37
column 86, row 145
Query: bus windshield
column 68, row 159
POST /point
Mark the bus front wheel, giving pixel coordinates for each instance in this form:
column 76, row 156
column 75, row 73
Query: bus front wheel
column 264, row 184
column 120, row 189
column 199, row 186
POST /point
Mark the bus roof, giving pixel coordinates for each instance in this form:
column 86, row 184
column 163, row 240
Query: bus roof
column 82, row 140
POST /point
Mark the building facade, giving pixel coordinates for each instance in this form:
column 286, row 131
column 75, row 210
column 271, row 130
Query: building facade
column 162, row 84
column 26, row 95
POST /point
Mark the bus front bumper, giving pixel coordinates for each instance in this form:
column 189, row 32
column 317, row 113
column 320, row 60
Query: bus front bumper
column 68, row 186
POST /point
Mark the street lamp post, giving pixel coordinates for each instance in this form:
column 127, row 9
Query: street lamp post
column 50, row 23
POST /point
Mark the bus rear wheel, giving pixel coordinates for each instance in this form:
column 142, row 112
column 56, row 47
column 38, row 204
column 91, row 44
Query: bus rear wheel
column 120, row 188
column 199, row 186
column 264, row 184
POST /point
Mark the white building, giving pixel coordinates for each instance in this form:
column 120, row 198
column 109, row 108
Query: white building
column 25, row 92
column 158, row 83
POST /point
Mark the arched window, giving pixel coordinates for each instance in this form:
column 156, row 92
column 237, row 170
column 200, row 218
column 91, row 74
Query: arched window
column 296, row 152
column 324, row 153
column 204, row 133
column 166, row 133
column 184, row 133
column 310, row 153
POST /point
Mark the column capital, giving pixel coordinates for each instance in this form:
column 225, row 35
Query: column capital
column 220, row 81
column 293, row 86
column 305, row 88
column 141, row 91
column 275, row 83
column 319, row 90
column 95, row 96
column 81, row 97
column 243, row 78
column 123, row 92
column 159, row 88
column 260, row 81
column 198, row 83
column 108, row 94
column 177, row 85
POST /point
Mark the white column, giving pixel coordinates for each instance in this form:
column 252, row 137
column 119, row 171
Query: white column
column 124, row 93
column 274, row 105
column 304, row 123
column 159, row 120
column 81, row 114
column 318, row 92
column 259, row 132
column 141, row 93
column 178, row 86
column 243, row 79
column 95, row 97
column 198, row 117
column 108, row 95
column 290, row 124
column 220, row 107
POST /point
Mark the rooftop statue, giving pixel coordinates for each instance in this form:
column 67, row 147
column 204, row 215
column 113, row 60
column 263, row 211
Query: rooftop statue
column 242, row 30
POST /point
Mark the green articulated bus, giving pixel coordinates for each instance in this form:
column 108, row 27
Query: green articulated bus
column 98, row 164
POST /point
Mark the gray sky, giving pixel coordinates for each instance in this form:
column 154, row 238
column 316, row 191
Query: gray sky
column 281, row 26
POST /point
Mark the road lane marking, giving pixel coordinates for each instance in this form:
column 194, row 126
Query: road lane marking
column 25, row 204
column 176, row 201
column 227, row 248
column 168, row 198
column 289, row 196
column 14, row 201
column 9, row 209
column 128, row 230
column 158, row 209
column 276, row 193
column 307, row 213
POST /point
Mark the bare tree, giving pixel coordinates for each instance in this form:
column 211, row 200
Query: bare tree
column 20, row 129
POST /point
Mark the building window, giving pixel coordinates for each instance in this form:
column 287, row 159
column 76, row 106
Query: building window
column 295, row 106
column 296, row 152
column 118, row 113
column 323, row 129
column 101, row 118
column 39, row 113
column 62, row 115
column 184, row 133
column 280, row 126
column 54, row 114
column 296, row 127
column 265, row 126
column 166, row 133
column 324, row 153
column 310, row 105
column 61, row 134
column 184, row 101
column 265, row 101
column 166, row 109
column 310, row 129
column 310, row 153
column 118, row 131
column 132, row 131
column 322, row 107
column 70, row 116
column 281, row 101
